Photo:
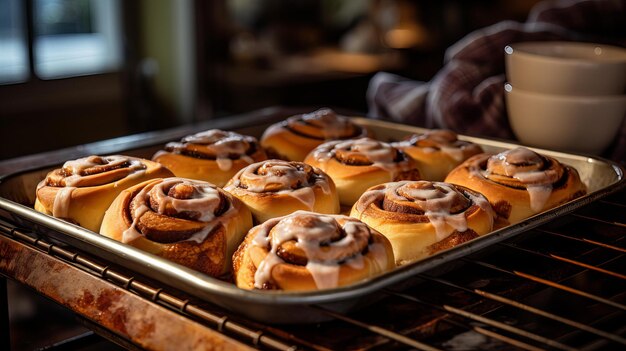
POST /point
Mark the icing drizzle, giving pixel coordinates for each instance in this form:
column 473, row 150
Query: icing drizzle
column 295, row 179
column 525, row 169
column 441, row 140
column 363, row 151
column 82, row 172
column 203, row 203
column 325, row 242
column 323, row 124
column 444, row 204
column 222, row 146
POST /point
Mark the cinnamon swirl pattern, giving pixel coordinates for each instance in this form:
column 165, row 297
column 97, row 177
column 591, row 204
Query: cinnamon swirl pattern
column 310, row 251
column 437, row 152
column 276, row 188
column 190, row 222
column 294, row 138
column 423, row 217
column 83, row 189
column 213, row 156
column 520, row 182
column 355, row 165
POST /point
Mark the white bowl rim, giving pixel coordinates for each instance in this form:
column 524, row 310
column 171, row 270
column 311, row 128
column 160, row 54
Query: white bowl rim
column 509, row 88
column 521, row 49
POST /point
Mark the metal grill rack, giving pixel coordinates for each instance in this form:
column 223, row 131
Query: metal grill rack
column 560, row 286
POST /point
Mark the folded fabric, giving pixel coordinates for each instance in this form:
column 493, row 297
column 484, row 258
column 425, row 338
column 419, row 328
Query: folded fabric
column 467, row 94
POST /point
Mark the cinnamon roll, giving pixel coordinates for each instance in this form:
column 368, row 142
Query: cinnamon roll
column 520, row 182
column 294, row 138
column 355, row 165
column 276, row 188
column 213, row 156
column 437, row 152
column 83, row 189
column 423, row 217
column 310, row 251
column 190, row 222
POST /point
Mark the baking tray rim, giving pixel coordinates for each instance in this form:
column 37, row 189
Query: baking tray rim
column 204, row 286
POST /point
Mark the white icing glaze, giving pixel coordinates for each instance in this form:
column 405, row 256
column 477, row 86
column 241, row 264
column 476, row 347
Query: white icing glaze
column 325, row 275
column 379, row 153
column 538, row 182
column 521, row 164
column 280, row 177
column 204, row 200
column 440, row 140
column 224, row 164
column 74, row 170
column 435, row 201
column 331, row 125
column 456, row 153
column 304, row 195
column 132, row 233
column 60, row 208
column 223, row 145
column 323, row 265
column 539, row 195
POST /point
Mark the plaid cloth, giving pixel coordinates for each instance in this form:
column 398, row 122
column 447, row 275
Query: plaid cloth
column 467, row 94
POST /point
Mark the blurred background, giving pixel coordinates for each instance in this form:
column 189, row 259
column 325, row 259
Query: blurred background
column 75, row 71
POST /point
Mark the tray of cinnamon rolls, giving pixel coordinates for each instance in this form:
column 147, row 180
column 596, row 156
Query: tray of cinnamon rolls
column 316, row 208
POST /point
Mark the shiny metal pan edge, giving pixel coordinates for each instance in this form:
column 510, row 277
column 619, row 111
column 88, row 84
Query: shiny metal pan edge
column 602, row 176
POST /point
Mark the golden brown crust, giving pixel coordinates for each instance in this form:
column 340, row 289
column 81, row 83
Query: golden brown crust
column 83, row 189
column 356, row 165
column 295, row 137
column 437, row 152
column 275, row 188
column 422, row 217
column 454, row 239
column 213, row 156
column 190, row 222
column 309, row 251
column 519, row 183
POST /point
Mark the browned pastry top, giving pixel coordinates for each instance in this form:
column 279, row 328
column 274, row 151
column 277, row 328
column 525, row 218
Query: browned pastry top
column 93, row 171
column 441, row 140
column 278, row 175
column 323, row 124
column 217, row 145
column 174, row 209
column 360, row 152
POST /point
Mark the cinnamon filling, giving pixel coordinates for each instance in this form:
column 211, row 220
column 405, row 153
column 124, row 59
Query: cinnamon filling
column 365, row 152
column 520, row 168
column 175, row 211
column 215, row 144
column 435, row 196
column 278, row 175
column 80, row 172
column 444, row 205
column 525, row 170
column 434, row 139
column 318, row 242
column 103, row 166
column 323, row 124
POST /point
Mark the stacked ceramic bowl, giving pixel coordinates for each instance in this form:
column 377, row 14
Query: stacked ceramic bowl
column 566, row 96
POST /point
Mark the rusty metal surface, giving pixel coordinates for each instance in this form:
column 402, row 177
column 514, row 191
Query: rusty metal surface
column 128, row 315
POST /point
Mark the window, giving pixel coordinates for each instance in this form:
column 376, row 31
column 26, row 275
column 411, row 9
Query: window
column 69, row 38
column 14, row 57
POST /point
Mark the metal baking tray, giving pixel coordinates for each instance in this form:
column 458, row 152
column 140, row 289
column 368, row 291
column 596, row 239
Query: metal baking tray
column 17, row 192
